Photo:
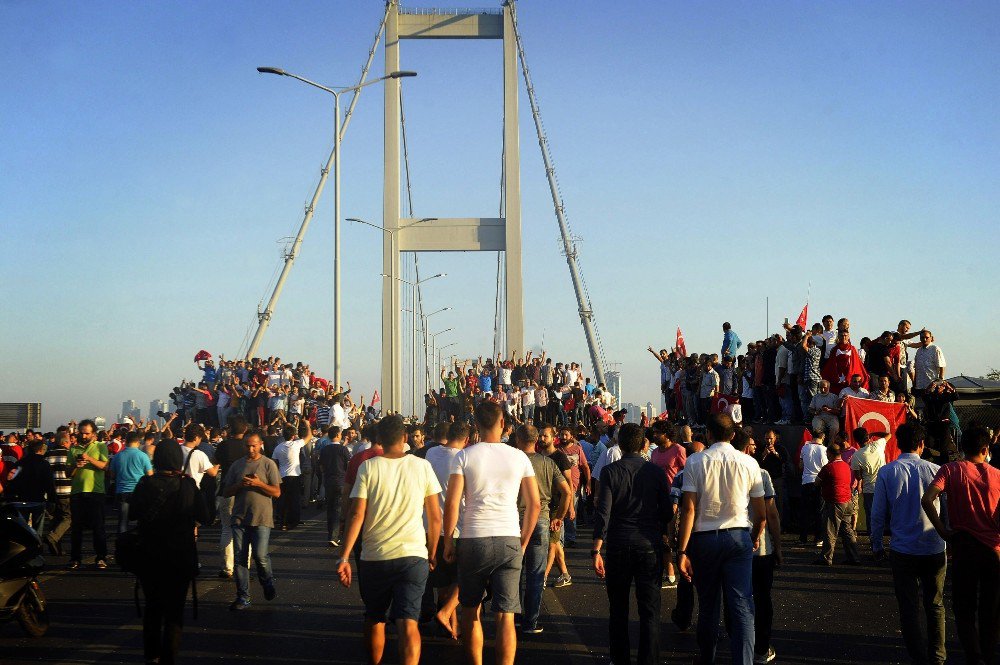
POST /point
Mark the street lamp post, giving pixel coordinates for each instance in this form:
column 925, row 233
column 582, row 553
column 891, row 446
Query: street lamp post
column 440, row 356
column 423, row 325
column 336, row 192
column 413, row 330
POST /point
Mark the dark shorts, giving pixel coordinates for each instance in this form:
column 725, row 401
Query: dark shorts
column 396, row 582
column 444, row 574
column 494, row 562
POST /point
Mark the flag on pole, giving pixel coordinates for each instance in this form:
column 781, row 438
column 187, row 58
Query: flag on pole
column 803, row 320
column 681, row 348
column 876, row 417
column 376, row 398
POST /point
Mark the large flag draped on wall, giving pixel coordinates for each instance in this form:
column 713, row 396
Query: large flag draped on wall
column 875, row 417
column 679, row 345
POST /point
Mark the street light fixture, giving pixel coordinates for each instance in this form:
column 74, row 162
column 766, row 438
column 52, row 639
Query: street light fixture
column 336, row 92
column 413, row 328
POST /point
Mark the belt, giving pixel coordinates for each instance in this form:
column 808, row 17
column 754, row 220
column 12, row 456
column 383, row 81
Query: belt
column 732, row 528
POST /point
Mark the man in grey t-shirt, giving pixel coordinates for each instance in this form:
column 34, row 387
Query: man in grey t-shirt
column 253, row 481
column 551, row 483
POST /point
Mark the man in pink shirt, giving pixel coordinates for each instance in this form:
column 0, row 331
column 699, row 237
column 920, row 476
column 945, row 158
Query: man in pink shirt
column 972, row 487
column 669, row 456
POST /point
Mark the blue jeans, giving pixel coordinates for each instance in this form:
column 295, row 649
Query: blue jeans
column 533, row 574
column 243, row 538
column 124, row 499
column 723, row 564
column 787, row 404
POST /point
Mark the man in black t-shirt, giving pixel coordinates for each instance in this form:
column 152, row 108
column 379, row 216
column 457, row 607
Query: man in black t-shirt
column 547, row 446
column 227, row 452
column 878, row 360
column 333, row 460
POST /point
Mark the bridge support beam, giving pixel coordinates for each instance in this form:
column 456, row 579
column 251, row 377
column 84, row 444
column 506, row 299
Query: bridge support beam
column 444, row 235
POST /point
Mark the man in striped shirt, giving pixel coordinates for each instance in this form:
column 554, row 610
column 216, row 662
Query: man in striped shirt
column 57, row 457
column 323, row 413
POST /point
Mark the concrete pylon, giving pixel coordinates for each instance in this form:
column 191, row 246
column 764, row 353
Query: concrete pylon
column 490, row 234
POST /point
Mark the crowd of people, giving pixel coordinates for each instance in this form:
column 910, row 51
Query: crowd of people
column 803, row 376
column 528, row 388
column 478, row 501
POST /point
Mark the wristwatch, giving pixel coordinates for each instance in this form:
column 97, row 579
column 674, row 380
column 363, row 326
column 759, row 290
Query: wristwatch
column 594, row 553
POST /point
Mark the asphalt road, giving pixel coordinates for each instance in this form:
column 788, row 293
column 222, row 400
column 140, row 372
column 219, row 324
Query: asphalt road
column 822, row 615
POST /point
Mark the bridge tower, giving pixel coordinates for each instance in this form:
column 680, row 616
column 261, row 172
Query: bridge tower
column 491, row 234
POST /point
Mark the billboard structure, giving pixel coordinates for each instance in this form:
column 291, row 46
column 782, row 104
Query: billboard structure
column 20, row 415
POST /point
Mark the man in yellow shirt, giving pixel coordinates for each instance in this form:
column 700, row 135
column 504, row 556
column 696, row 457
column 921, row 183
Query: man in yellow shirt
column 87, row 461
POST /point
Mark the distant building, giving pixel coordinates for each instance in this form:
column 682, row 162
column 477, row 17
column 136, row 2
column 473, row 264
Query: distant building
column 130, row 410
column 157, row 406
column 614, row 385
column 651, row 411
column 633, row 413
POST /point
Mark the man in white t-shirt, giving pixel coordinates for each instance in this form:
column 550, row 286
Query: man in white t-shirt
column 812, row 458
column 199, row 464
column 489, row 476
column 717, row 537
column 928, row 362
column 444, row 577
column 288, row 456
column 855, row 389
column 391, row 493
column 865, row 464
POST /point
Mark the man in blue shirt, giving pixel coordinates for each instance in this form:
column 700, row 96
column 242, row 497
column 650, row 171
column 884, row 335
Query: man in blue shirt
column 731, row 342
column 127, row 468
column 917, row 552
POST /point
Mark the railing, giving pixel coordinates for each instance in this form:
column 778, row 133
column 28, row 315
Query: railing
column 437, row 11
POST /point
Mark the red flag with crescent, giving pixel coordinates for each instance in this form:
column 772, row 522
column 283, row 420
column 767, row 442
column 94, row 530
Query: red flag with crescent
column 376, row 399
column 803, row 317
column 876, row 417
column 679, row 345
column 202, row 355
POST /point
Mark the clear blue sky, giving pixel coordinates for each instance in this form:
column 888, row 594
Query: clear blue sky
column 710, row 155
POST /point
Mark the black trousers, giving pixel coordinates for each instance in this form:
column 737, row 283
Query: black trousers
column 812, row 505
column 762, row 577
column 684, row 611
column 163, row 617
column 87, row 509
column 334, row 491
column 290, row 501
column 625, row 565
column 975, row 590
column 915, row 576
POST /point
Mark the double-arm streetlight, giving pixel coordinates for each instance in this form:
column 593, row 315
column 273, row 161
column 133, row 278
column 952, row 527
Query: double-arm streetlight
column 413, row 329
column 336, row 92
column 440, row 357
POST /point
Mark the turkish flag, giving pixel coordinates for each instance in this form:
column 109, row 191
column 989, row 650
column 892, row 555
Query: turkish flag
column 803, row 317
column 202, row 355
column 843, row 363
column 721, row 402
column 376, row 398
column 680, row 346
column 876, row 417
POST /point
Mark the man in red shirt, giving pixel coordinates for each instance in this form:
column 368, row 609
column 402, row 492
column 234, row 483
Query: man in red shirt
column 835, row 480
column 973, row 490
